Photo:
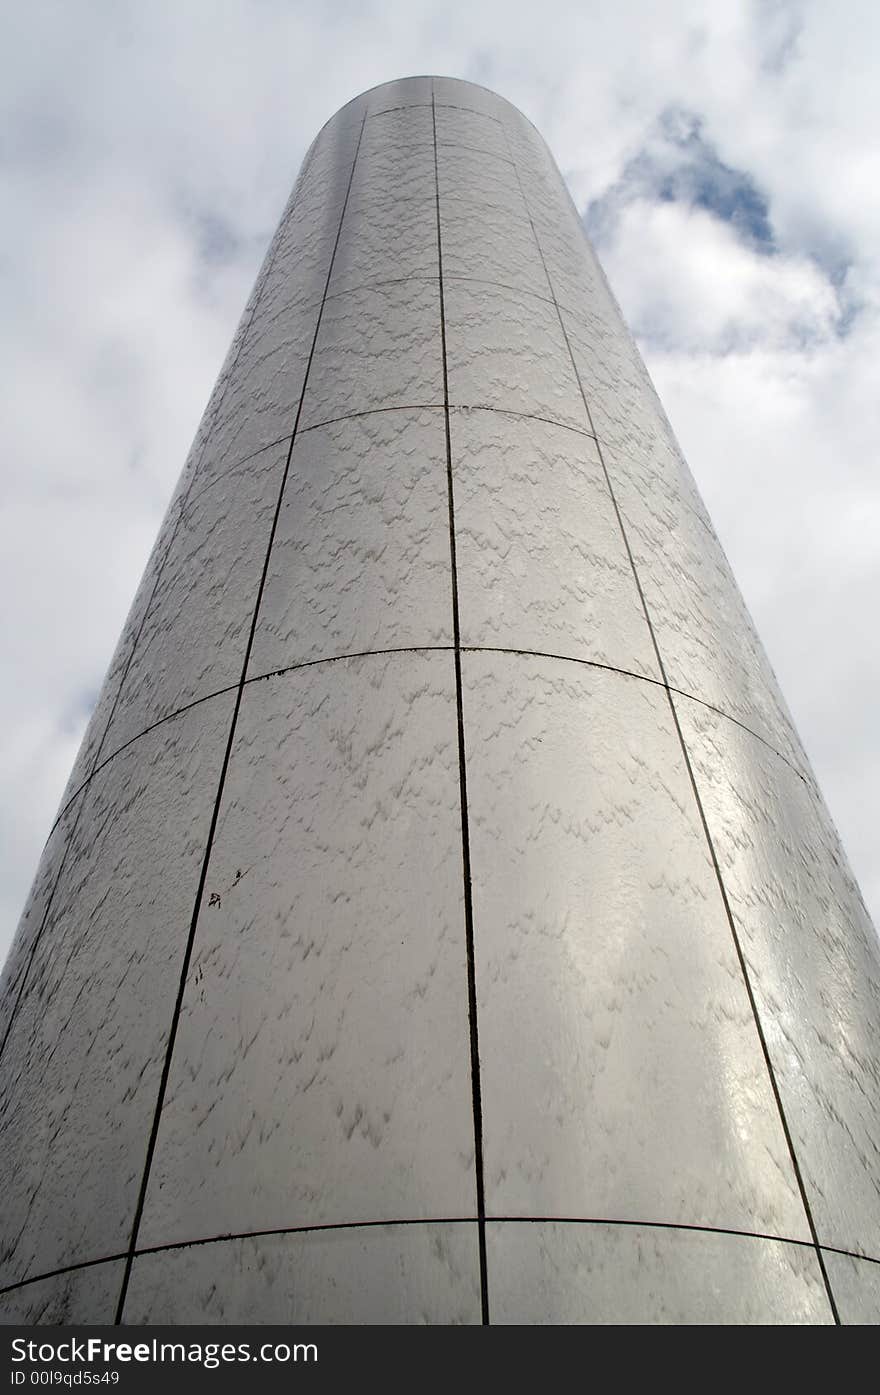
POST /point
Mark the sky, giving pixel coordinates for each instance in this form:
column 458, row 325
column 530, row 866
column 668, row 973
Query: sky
column 725, row 158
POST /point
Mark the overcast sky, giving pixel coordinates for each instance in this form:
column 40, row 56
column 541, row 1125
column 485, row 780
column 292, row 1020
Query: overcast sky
column 725, row 157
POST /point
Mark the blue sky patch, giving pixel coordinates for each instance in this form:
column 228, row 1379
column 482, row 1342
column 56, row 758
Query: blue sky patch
column 679, row 165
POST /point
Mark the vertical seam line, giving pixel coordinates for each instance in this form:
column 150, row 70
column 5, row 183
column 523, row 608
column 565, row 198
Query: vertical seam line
column 476, row 1089
column 709, row 840
column 172, row 1034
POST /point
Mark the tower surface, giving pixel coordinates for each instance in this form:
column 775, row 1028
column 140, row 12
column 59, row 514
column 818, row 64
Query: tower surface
column 442, row 922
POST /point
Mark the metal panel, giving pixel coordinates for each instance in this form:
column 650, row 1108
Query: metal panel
column 82, row 1296
column 259, row 401
column 856, row 1285
column 622, row 1074
column 388, row 174
column 378, row 347
column 709, row 646
column 94, row 748
column 196, row 630
column 507, row 351
column 539, row 568
column 87, row 1044
column 704, row 631
column 383, row 1274
column 471, row 129
column 260, row 405
column 575, row 275
column 472, row 97
column 395, row 127
column 360, row 559
column 629, row 422
column 30, row 927
column 195, row 458
column 486, row 234
column 385, row 240
column 321, row 1071
column 814, row 961
column 402, row 92
column 546, row 1273
column 471, row 175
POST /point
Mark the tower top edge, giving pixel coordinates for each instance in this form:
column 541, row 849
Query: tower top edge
column 433, row 77
column 430, row 77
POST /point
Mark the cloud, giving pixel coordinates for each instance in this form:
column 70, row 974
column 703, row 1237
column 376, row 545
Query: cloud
column 679, row 165
column 717, row 294
column 725, row 157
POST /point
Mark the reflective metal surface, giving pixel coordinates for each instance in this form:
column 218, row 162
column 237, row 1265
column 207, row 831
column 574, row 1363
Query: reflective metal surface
column 384, row 1274
column 507, row 351
column 538, row 568
column 193, row 637
column 390, row 950
column 360, row 559
column 94, row 749
column 39, row 902
column 856, row 1287
column 80, row 1296
column 622, row 1073
column 377, row 347
column 813, row 960
column 88, row 1040
column 321, row 1070
column 570, row 1273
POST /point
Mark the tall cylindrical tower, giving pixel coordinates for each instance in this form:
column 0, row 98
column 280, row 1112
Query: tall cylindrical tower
column 442, row 922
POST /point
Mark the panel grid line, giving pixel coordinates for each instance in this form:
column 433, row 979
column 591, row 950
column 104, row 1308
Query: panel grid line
column 269, row 1232
column 452, row 407
column 408, row 106
column 476, row 1088
column 699, row 803
column 166, row 1069
column 425, row 649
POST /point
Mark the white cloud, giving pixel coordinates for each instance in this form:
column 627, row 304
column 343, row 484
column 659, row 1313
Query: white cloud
column 690, row 282
column 147, row 152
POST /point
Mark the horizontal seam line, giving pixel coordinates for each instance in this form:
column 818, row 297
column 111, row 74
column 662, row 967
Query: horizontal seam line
column 480, row 280
column 231, row 687
column 317, row 1228
column 371, row 411
column 375, row 285
column 453, row 407
column 416, row 143
column 419, row 649
column 425, row 276
column 159, row 722
column 444, row 106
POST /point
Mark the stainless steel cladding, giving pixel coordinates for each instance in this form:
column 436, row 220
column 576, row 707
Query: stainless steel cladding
column 442, row 922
